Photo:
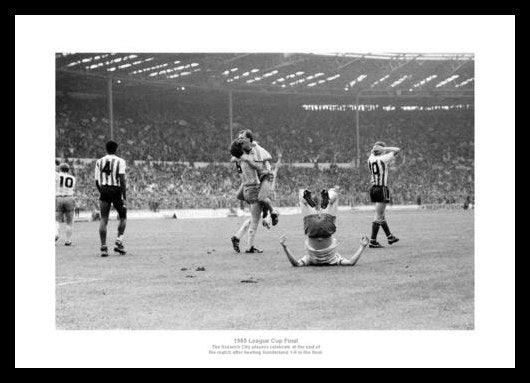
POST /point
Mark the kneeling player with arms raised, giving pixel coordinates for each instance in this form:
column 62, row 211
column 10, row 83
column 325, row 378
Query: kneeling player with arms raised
column 319, row 226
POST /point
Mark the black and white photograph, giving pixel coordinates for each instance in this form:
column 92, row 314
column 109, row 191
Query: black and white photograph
column 207, row 175
column 262, row 195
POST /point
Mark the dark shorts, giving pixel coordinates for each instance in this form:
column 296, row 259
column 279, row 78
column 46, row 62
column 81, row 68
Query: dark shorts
column 251, row 193
column 379, row 194
column 112, row 195
column 319, row 225
column 64, row 204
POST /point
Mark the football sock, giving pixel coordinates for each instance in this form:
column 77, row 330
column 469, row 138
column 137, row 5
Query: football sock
column 120, row 238
column 375, row 230
column 332, row 196
column 253, row 227
column 103, row 233
column 243, row 229
column 250, row 238
column 121, row 228
column 385, row 228
column 56, row 229
column 69, row 230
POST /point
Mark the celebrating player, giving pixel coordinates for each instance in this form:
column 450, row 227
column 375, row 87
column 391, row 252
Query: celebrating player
column 64, row 201
column 110, row 181
column 250, row 190
column 380, row 158
column 267, row 222
column 263, row 158
column 319, row 226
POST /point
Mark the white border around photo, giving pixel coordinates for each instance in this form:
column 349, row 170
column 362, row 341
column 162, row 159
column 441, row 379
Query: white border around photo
column 490, row 38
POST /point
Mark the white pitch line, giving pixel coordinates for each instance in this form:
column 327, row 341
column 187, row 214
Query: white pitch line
column 79, row 280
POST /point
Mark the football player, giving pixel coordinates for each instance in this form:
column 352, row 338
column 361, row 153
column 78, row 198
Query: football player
column 319, row 227
column 381, row 156
column 263, row 158
column 64, row 201
column 250, row 190
column 110, row 182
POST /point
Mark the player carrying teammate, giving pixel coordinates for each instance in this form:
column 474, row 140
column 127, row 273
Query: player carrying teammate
column 240, row 149
column 319, row 226
column 267, row 222
column 379, row 161
column 64, row 201
column 110, row 181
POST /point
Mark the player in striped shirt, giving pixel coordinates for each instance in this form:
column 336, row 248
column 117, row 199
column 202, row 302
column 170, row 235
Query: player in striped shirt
column 64, row 201
column 379, row 161
column 110, row 181
column 319, row 227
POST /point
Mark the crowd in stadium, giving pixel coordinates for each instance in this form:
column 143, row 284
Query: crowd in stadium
column 436, row 164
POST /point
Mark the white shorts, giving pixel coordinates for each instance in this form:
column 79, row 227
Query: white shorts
column 323, row 257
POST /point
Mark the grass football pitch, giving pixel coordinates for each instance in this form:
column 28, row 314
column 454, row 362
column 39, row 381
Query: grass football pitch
column 184, row 275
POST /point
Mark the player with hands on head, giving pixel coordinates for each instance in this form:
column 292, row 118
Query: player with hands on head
column 381, row 156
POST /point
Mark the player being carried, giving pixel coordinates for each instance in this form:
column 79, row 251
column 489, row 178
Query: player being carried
column 64, row 201
column 249, row 192
column 379, row 161
column 319, row 226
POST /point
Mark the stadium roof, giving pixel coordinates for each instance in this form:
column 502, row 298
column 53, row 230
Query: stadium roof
column 344, row 74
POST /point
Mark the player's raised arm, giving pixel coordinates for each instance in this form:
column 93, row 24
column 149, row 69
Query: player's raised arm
column 275, row 172
column 267, row 158
column 392, row 149
column 279, row 159
column 390, row 153
column 292, row 259
column 353, row 260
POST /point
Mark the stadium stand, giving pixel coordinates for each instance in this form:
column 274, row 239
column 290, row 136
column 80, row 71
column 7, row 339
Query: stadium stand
column 437, row 165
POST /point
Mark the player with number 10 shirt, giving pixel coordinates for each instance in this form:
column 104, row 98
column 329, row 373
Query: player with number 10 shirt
column 64, row 201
